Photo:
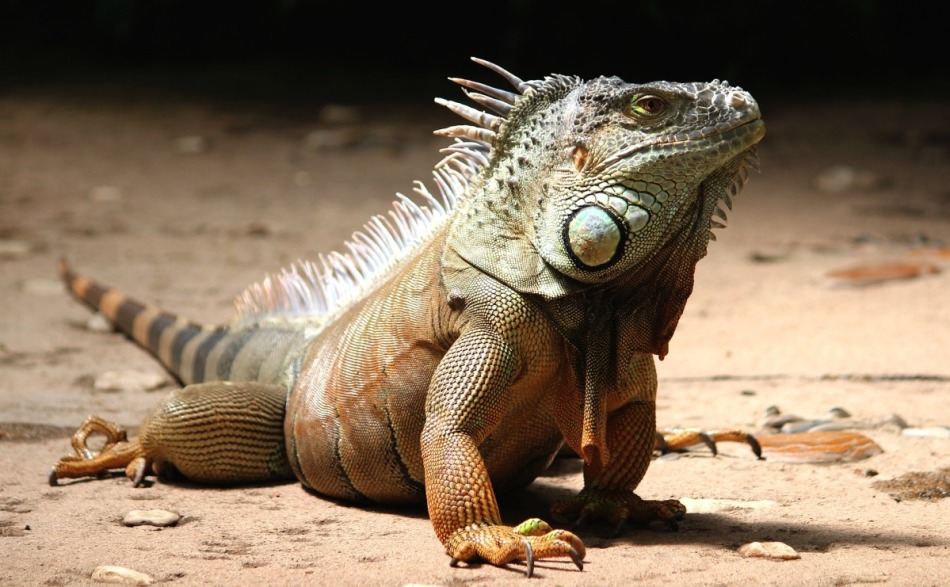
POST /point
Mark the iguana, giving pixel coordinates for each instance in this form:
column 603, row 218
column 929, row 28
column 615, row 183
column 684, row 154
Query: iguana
column 461, row 340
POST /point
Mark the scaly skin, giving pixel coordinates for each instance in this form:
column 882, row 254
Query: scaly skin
column 526, row 320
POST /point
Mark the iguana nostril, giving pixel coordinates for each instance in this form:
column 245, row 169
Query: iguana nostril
column 593, row 236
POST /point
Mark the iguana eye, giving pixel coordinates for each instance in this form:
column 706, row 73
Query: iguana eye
column 647, row 105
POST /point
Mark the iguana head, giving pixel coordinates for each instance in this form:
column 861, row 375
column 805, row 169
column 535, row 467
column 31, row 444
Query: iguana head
column 587, row 181
column 628, row 169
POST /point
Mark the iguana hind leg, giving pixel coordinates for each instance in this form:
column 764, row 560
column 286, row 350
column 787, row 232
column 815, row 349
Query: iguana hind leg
column 218, row 433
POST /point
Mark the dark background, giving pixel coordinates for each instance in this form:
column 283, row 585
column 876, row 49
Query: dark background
column 287, row 50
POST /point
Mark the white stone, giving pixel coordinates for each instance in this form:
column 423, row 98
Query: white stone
column 931, row 431
column 105, row 193
column 15, row 249
column 160, row 518
column 99, row 323
column 43, row 286
column 769, row 550
column 711, row 506
column 191, row 145
column 128, row 380
column 114, row 574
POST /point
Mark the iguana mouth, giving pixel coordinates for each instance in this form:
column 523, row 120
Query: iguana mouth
column 728, row 131
column 738, row 135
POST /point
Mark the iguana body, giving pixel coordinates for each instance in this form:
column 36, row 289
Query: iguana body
column 451, row 354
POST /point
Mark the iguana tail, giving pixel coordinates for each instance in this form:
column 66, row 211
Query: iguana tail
column 193, row 352
column 163, row 334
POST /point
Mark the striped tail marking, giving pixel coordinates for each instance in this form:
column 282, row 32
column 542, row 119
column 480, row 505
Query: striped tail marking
column 181, row 345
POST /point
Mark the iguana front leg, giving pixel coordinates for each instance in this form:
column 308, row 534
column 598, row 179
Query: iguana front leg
column 467, row 399
column 615, row 434
column 609, row 491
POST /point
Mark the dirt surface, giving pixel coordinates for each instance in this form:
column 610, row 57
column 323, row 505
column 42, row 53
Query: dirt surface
column 118, row 182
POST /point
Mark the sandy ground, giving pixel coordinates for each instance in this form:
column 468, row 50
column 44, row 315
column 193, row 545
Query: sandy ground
column 107, row 179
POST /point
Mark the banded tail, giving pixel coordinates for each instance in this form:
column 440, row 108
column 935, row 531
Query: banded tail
column 182, row 346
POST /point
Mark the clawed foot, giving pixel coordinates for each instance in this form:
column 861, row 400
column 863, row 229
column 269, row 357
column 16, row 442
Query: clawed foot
column 117, row 453
column 617, row 507
column 499, row 545
column 677, row 440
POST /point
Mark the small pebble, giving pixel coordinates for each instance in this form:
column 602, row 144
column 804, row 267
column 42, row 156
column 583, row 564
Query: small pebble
column 801, row 426
column 779, row 420
column 931, row 431
column 839, row 412
column 301, row 179
column 896, row 420
column 875, row 274
column 839, row 425
column 670, row 456
column 251, row 229
column 331, row 138
column 770, row 550
column 105, row 193
column 160, row 518
column 338, row 114
column 767, row 256
column 711, row 506
column 128, row 380
column 15, row 249
column 99, row 323
column 191, row 145
column 841, row 178
column 114, row 574
column 43, row 286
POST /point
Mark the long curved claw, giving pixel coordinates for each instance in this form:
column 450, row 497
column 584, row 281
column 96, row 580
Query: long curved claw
column 707, row 439
column 576, row 558
column 756, row 446
column 529, row 557
column 136, row 471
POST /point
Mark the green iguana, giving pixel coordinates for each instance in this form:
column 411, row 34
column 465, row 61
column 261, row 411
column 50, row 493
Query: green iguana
column 461, row 340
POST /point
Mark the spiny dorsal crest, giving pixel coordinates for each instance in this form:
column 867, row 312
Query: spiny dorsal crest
column 317, row 288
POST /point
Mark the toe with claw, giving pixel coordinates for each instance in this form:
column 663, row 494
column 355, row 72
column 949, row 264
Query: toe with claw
column 668, row 441
column 618, row 507
column 117, row 453
column 529, row 541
